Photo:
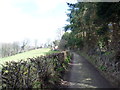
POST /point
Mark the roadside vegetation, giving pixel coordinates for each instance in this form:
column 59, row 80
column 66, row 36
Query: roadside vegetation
column 40, row 68
column 95, row 31
column 27, row 54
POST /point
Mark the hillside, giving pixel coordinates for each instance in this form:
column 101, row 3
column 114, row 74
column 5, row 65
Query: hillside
column 25, row 55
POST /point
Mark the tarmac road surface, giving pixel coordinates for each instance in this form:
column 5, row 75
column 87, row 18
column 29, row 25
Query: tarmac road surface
column 83, row 75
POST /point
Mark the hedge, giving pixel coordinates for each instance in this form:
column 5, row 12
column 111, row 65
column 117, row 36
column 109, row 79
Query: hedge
column 37, row 72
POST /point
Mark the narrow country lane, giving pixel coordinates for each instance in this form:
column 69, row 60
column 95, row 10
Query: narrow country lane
column 83, row 75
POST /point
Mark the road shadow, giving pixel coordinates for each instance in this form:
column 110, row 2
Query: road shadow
column 81, row 74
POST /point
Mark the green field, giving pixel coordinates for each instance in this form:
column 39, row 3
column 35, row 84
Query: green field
column 25, row 55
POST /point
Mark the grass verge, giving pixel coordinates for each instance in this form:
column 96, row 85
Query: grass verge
column 25, row 55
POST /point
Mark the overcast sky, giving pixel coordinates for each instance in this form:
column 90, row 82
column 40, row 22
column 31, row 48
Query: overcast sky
column 31, row 19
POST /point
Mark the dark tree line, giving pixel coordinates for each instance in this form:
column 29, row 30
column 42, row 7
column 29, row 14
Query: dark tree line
column 95, row 31
column 93, row 26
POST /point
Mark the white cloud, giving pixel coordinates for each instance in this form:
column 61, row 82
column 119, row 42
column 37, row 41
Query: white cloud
column 46, row 5
column 17, row 25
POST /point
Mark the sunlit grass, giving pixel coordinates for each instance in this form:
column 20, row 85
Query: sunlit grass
column 25, row 55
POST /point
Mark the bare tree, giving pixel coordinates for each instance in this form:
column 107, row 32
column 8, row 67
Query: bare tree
column 25, row 43
column 0, row 50
column 9, row 49
column 59, row 33
column 16, row 47
column 6, row 49
column 56, row 42
column 36, row 43
column 48, row 43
